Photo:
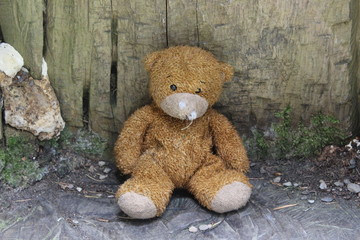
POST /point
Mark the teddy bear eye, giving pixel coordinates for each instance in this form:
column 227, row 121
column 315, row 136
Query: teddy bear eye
column 173, row 87
column 198, row 90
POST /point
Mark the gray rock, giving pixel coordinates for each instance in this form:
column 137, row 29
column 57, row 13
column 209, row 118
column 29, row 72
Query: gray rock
column 277, row 179
column 327, row 199
column 322, row 185
column 204, row 227
column 339, row 184
column 193, row 229
column 311, row 201
column 352, row 161
column 352, row 187
column 101, row 163
column 287, row 184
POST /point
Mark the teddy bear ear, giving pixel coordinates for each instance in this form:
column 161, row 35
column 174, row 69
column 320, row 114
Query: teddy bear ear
column 227, row 71
column 151, row 59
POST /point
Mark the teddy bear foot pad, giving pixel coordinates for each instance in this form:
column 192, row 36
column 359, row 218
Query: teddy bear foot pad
column 137, row 206
column 231, row 197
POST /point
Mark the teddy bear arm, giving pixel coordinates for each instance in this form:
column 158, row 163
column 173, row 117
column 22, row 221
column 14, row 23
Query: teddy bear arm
column 228, row 143
column 128, row 146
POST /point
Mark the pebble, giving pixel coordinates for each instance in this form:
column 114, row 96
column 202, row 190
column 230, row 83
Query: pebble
column 252, row 164
column 75, row 221
column 277, row 179
column 347, row 197
column 204, row 227
column 311, row 201
column 306, row 192
column 327, row 199
column 92, row 169
column 352, row 161
column 101, row 163
column 262, row 170
column 287, row 184
column 102, row 177
column 339, row 184
column 79, row 189
column 70, row 186
column 303, row 198
column 353, row 187
column 295, row 184
column 323, row 185
column 107, row 170
column 193, row 229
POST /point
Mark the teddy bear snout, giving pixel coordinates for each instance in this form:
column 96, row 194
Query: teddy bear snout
column 184, row 106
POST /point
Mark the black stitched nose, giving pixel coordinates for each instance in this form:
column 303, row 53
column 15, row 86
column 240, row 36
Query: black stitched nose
column 198, row 90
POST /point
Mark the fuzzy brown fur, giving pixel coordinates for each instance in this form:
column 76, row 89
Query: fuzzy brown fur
column 163, row 152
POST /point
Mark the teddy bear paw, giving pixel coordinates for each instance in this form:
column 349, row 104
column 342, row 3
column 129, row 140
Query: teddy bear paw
column 137, row 206
column 231, row 197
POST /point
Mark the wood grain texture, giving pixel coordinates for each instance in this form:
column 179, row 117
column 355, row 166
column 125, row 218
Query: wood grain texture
column 100, row 112
column 182, row 23
column 67, row 55
column 355, row 63
column 22, row 27
column 303, row 53
column 141, row 29
column 284, row 52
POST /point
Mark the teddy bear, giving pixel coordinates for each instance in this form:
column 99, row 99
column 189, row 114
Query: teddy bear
column 179, row 140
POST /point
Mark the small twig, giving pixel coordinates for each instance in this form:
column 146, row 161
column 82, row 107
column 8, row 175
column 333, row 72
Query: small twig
column 103, row 220
column 23, row 200
column 94, row 178
column 90, row 196
column 285, row 206
column 261, row 178
column 277, row 184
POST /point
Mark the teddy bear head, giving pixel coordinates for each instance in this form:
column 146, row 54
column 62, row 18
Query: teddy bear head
column 185, row 81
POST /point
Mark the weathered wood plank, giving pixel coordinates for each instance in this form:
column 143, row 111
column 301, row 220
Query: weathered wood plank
column 284, row 52
column 355, row 63
column 22, row 27
column 100, row 113
column 302, row 53
column 141, row 29
column 67, row 55
column 182, row 23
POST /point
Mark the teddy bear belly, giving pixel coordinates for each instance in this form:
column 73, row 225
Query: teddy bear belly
column 178, row 163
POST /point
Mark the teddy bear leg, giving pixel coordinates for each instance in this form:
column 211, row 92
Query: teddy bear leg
column 146, row 194
column 220, row 189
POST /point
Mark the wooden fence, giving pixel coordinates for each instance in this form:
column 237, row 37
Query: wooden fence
column 298, row 52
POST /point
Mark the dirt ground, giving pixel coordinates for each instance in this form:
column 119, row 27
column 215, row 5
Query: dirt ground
column 79, row 204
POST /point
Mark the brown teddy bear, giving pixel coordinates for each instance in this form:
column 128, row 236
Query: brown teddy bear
column 179, row 141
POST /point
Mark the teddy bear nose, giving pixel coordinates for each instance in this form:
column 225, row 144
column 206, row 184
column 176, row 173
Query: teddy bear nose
column 182, row 105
